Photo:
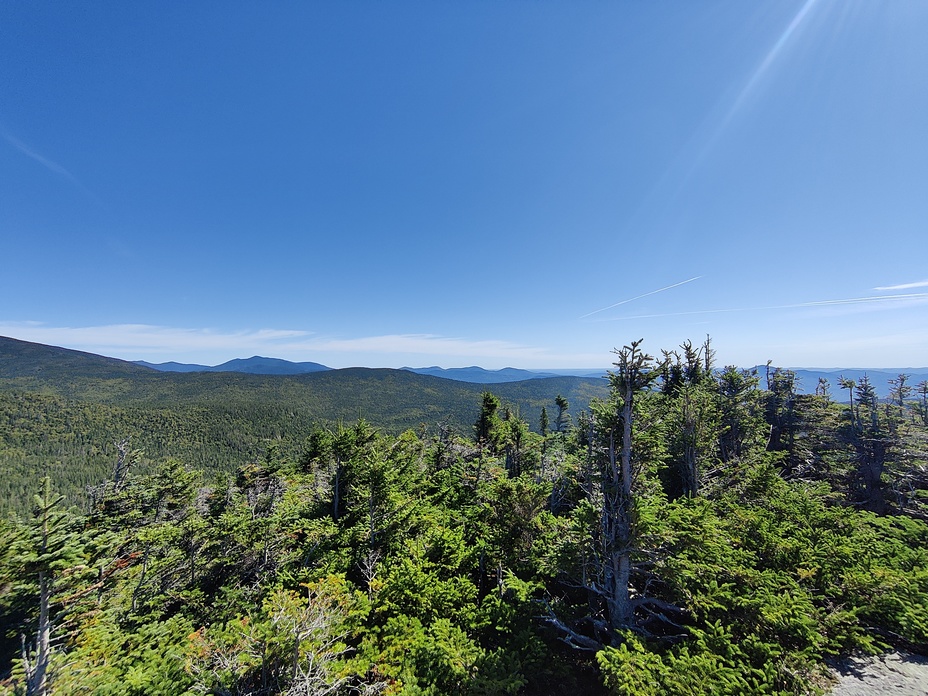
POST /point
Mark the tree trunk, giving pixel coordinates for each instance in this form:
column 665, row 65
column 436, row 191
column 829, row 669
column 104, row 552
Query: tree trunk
column 36, row 674
column 616, row 524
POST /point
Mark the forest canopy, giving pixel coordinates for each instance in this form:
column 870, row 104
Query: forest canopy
column 697, row 529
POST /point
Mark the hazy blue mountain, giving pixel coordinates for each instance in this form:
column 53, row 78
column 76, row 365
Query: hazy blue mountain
column 255, row 365
column 273, row 366
column 173, row 366
column 479, row 375
column 578, row 372
column 808, row 378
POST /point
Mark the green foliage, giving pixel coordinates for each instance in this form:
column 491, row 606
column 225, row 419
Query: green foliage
column 110, row 659
column 61, row 413
column 709, row 666
column 354, row 559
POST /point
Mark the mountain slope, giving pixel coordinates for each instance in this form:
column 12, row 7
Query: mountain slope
column 62, row 410
column 23, row 359
column 391, row 399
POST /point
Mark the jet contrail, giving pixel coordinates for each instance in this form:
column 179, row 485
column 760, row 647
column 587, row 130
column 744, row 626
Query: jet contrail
column 880, row 299
column 638, row 297
column 51, row 165
column 29, row 152
column 904, row 286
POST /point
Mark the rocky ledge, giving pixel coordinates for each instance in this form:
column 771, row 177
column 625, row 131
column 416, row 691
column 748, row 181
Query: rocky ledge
column 892, row 674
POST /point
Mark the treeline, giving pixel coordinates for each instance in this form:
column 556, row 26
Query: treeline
column 698, row 531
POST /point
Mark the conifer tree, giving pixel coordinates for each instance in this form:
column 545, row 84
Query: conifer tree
column 850, row 385
column 562, row 419
column 488, row 420
column 899, row 390
column 608, row 565
column 737, row 411
column 48, row 551
column 690, row 392
column 922, row 388
column 634, row 373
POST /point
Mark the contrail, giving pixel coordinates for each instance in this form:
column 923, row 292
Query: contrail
column 51, row 165
column 880, row 299
column 905, row 286
column 29, row 152
column 858, row 300
column 638, row 297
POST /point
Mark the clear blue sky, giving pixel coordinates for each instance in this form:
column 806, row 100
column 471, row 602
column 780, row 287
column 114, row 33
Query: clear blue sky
column 454, row 183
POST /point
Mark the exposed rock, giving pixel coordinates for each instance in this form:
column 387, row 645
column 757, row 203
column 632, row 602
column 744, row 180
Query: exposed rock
column 892, row 674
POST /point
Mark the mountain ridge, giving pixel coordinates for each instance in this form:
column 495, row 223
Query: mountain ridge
column 473, row 374
column 807, row 377
column 394, row 399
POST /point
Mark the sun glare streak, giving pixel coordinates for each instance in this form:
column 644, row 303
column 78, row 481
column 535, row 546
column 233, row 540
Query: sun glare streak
column 684, row 165
column 750, row 86
column 769, row 59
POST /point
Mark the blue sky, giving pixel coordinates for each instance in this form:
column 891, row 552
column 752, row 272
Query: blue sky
column 496, row 183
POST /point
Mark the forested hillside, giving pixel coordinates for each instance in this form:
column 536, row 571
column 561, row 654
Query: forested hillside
column 696, row 530
column 62, row 411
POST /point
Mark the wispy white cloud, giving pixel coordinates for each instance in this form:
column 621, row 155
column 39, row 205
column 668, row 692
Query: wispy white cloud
column 156, row 343
column 422, row 344
column 156, row 338
column 903, row 286
column 875, row 302
column 638, row 297
column 849, row 347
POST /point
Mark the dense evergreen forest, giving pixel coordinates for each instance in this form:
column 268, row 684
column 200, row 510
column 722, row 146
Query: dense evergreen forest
column 63, row 411
column 692, row 530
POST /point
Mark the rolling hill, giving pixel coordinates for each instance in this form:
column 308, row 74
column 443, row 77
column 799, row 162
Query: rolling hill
column 61, row 411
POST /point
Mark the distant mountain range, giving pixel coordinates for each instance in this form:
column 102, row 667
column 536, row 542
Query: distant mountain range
column 255, row 365
column 808, row 379
column 61, row 410
column 479, row 375
column 258, row 365
column 390, row 398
